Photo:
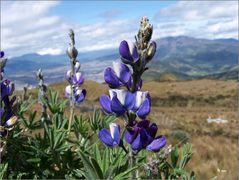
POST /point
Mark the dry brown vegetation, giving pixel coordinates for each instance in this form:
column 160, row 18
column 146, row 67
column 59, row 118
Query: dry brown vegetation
column 185, row 106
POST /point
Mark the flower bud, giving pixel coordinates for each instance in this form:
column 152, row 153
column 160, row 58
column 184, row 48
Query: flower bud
column 72, row 52
column 77, row 66
column 151, row 51
column 39, row 74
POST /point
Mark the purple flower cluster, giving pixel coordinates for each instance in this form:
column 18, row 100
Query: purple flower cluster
column 7, row 117
column 74, row 76
column 125, row 98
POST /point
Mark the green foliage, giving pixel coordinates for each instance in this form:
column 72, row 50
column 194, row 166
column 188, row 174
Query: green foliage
column 42, row 148
column 53, row 102
column 97, row 121
column 179, row 159
column 3, row 170
column 106, row 164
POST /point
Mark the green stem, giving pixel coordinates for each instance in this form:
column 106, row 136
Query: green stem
column 72, row 111
column 132, row 164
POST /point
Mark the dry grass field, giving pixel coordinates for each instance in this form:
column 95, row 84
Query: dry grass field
column 181, row 110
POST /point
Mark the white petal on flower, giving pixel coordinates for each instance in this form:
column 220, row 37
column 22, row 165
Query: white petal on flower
column 78, row 91
column 68, row 74
column 140, row 97
column 113, row 127
column 68, row 90
column 111, row 92
column 131, row 46
column 117, row 68
column 121, row 94
column 78, row 75
column 11, row 121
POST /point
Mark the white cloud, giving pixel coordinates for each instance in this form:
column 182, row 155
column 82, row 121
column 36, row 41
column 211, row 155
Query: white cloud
column 203, row 19
column 27, row 27
column 50, row 51
column 200, row 10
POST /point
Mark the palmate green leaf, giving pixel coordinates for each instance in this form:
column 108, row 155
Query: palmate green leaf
column 97, row 121
column 91, row 171
column 80, row 127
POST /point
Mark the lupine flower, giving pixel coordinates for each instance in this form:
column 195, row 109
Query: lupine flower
column 79, row 95
column 7, row 126
column 75, row 79
column 142, row 135
column 110, row 138
column 128, row 52
column 118, row 75
column 3, row 62
column 121, row 101
column 7, row 88
column 8, row 119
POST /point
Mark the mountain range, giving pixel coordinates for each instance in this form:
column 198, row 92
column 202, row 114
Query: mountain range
column 181, row 56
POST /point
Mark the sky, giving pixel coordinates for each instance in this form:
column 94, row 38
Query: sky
column 42, row 26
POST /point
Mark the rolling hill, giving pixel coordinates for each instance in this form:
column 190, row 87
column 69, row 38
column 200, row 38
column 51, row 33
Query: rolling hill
column 183, row 57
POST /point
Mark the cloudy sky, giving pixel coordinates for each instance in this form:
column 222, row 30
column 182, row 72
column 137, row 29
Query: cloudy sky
column 42, row 26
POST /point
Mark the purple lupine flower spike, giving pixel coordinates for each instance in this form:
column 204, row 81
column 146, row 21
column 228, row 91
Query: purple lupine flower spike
column 74, row 76
column 111, row 138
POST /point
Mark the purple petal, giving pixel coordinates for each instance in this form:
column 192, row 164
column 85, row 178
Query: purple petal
column 105, row 103
column 115, row 133
column 1, row 54
column 157, row 144
column 1, row 112
column 143, row 124
column 116, row 106
column 111, row 78
column 130, row 135
column 124, row 51
column 144, row 109
column 78, row 79
column 6, row 88
column 137, row 143
column 80, row 95
column 106, row 138
column 129, row 100
column 152, row 130
column 68, row 75
column 146, row 139
column 124, row 73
